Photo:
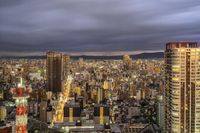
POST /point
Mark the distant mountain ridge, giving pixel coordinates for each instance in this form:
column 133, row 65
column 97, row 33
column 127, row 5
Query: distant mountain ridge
column 136, row 56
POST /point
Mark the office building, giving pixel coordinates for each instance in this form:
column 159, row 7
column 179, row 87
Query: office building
column 160, row 112
column 43, row 111
column 72, row 112
column 56, row 71
column 133, row 128
column 127, row 62
column 100, row 95
column 132, row 90
column 182, row 87
column 101, row 114
column 3, row 113
column 49, row 114
column 6, row 129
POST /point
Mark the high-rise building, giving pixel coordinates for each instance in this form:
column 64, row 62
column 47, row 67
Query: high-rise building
column 127, row 62
column 56, row 71
column 160, row 112
column 100, row 95
column 66, row 65
column 101, row 114
column 43, row 111
column 182, row 87
column 132, row 90
column 72, row 112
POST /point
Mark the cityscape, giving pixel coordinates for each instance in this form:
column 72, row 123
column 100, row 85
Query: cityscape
column 74, row 74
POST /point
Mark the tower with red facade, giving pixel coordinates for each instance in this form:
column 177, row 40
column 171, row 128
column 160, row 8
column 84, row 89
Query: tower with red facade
column 21, row 93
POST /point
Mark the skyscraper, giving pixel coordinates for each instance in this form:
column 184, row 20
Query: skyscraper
column 21, row 93
column 100, row 95
column 182, row 87
column 160, row 112
column 56, row 71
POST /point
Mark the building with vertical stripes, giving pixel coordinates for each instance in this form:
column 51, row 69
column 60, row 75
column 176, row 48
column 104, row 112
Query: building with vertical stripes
column 57, row 70
column 101, row 114
column 182, row 87
column 72, row 112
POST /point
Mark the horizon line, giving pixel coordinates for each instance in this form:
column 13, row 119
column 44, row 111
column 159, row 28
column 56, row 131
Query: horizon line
column 89, row 53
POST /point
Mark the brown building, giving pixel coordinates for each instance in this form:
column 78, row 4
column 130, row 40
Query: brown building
column 127, row 61
column 132, row 90
column 56, row 71
column 43, row 111
column 5, row 129
column 182, row 87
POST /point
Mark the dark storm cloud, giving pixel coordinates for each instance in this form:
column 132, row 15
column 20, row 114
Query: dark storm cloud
column 96, row 25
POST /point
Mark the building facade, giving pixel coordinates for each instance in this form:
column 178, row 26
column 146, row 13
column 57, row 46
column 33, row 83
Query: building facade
column 56, row 71
column 72, row 113
column 182, row 87
column 101, row 114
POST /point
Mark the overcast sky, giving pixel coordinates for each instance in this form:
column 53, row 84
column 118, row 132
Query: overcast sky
column 96, row 25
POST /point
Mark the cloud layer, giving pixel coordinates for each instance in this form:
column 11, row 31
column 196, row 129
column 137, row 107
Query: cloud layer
column 96, row 25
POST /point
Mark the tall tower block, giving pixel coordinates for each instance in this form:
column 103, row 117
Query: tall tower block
column 182, row 87
column 57, row 71
column 21, row 94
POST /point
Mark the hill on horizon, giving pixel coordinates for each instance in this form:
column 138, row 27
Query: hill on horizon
column 136, row 56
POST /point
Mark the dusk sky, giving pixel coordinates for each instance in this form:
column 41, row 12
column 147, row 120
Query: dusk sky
column 36, row 26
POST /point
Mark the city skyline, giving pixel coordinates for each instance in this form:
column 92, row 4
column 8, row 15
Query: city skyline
column 94, row 26
column 99, row 66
